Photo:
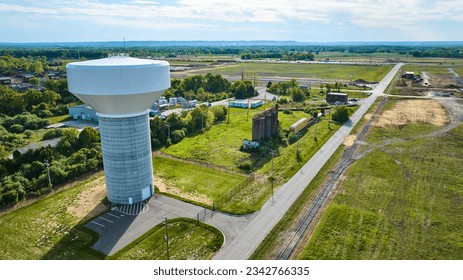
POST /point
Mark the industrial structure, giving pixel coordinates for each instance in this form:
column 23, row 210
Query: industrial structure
column 333, row 97
column 121, row 89
column 83, row 112
column 265, row 124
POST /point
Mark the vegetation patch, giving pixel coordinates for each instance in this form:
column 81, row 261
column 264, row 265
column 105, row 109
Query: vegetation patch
column 321, row 71
column 193, row 181
column 407, row 206
column 188, row 240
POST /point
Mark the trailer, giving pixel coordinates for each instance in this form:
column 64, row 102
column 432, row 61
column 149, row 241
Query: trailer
column 299, row 125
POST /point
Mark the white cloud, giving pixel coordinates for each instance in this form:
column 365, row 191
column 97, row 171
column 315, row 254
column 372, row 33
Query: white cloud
column 185, row 14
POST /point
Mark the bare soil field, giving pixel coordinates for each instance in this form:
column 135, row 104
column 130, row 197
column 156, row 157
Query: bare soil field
column 414, row 111
column 89, row 201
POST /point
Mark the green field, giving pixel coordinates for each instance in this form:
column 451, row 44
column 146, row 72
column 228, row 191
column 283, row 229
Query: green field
column 407, row 206
column 194, row 180
column 220, row 145
column 431, row 69
column 211, row 147
column 319, row 71
column 45, row 229
column 188, row 240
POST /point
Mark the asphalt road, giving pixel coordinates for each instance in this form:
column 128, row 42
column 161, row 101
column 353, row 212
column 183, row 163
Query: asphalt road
column 248, row 240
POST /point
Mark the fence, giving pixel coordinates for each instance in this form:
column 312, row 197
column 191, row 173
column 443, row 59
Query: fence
column 228, row 195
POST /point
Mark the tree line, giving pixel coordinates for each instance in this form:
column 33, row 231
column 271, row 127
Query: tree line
column 209, row 87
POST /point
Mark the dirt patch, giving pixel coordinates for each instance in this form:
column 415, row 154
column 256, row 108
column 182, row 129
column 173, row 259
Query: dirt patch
column 350, row 140
column 88, row 202
column 368, row 116
column 413, row 111
column 193, row 196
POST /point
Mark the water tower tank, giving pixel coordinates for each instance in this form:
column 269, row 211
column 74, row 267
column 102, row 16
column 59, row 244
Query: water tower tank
column 121, row 89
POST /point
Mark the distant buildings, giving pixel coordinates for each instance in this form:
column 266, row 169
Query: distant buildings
column 333, row 97
column 83, row 112
column 245, row 104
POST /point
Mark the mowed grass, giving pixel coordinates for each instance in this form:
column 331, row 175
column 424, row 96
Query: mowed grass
column 304, row 70
column 188, row 240
column 45, row 230
column 195, row 179
column 401, row 201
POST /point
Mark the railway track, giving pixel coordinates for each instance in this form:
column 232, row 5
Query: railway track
column 322, row 197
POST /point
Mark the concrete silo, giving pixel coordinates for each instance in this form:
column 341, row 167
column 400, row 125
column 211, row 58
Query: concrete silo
column 121, row 89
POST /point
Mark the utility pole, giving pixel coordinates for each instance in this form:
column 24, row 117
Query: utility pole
column 168, row 131
column 48, row 171
column 202, row 120
column 166, row 238
column 273, row 153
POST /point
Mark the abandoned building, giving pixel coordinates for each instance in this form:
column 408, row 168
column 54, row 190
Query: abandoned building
column 265, row 124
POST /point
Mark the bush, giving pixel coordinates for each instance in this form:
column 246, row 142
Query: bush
column 286, row 111
column 28, row 133
column 245, row 166
column 52, row 133
column 16, row 128
column 341, row 114
column 282, row 100
column 292, row 138
column 177, row 135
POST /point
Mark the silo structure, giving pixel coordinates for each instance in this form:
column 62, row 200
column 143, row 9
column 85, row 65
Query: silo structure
column 121, row 89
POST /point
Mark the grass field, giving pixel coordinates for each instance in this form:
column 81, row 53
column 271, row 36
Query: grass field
column 188, row 240
column 211, row 147
column 407, row 206
column 320, row 71
column 45, row 229
column 194, row 181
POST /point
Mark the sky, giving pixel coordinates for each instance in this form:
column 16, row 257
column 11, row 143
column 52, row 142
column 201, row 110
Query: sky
column 23, row 21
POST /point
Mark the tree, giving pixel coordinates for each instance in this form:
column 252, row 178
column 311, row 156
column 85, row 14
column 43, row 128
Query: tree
column 193, row 82
column 297, row 94
column 37, row 67
column 87, row 137
column 216, row 83
column 341, row 114
column 34, row 81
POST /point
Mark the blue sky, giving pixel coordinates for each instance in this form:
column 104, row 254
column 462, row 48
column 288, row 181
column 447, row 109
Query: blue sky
column 181, row 20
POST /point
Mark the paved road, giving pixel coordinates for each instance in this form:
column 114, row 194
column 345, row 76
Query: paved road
column 248, row 240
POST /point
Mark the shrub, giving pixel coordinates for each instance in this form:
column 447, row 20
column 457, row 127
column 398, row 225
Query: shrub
column 16, row 128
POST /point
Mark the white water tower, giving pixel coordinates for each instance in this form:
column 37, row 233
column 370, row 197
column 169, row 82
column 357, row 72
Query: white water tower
column 121, row 89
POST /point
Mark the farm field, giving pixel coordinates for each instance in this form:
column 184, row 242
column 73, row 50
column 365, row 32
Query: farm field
column 408, row 204
column 295, row 70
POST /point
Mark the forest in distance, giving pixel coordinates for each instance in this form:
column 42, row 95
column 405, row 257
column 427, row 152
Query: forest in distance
column 289, row 50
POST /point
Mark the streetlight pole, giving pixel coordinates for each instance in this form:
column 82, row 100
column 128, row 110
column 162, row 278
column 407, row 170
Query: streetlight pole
column 48, row 171
column 166, row 238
